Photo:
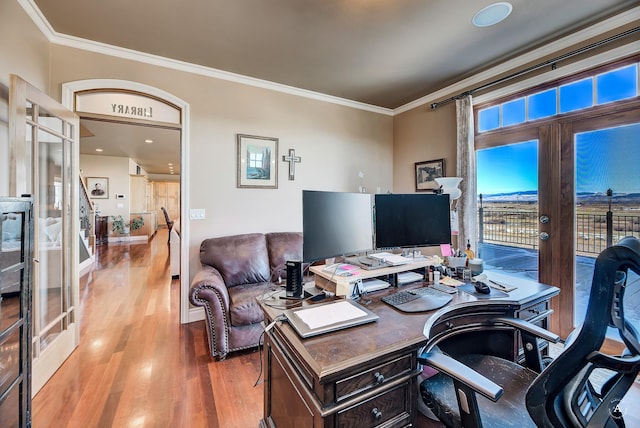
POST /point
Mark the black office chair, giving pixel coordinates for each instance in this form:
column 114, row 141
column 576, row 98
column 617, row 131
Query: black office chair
column 169, row 223
column 466, row 392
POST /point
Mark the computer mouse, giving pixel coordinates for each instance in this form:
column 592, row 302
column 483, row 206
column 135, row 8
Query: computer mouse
column 481, row 287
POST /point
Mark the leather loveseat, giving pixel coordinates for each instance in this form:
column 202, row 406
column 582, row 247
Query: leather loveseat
column 235, row 270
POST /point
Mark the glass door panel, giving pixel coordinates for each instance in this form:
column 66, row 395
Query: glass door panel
column 49, row 299
column 607, row 205
column 508, row 209
column 44, row 140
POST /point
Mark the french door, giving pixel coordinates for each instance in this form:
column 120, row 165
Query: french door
column 603, row 182
column 519, row 208
column 44, row 137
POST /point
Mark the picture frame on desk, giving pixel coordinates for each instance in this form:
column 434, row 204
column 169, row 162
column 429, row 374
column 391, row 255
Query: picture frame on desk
column 257, row 166
column 426, row 173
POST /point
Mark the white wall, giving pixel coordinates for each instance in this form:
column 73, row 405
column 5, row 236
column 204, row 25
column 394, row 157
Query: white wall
column 334, row 141
column 23, row 51
column 116, row 169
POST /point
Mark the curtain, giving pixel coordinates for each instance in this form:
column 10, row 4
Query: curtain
column 467, row 205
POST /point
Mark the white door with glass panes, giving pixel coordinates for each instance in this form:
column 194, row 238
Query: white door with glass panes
column 44, row 151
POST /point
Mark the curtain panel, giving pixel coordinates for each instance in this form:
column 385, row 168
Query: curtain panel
column 467, row 206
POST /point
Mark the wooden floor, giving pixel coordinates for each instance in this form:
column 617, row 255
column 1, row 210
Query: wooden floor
column 137, row 366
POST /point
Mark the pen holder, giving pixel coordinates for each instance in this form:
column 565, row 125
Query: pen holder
column 455, row 262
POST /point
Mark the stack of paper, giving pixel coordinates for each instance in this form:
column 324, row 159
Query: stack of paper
column 392, row 259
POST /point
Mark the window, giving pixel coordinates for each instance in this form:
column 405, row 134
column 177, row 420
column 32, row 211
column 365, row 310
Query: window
column 576, row 95
column 255, row 160
column 610, row 86
column 513, row 112
column 617, row 84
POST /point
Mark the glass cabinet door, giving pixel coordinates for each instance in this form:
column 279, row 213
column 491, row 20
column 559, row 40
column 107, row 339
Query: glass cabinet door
column 15, row 312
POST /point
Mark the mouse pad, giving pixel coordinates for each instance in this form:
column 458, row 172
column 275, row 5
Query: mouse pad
column 470, row 289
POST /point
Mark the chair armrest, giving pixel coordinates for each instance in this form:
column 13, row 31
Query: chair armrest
column 462, row 373
column 528, row 327
column 208, row 288
column 618, row 364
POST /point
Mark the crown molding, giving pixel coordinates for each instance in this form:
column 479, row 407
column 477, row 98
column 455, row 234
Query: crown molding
column 595, row 30
column 102, row 48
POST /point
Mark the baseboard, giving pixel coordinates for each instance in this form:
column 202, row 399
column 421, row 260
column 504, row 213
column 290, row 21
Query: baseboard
column 86, row 266
column 196, row 314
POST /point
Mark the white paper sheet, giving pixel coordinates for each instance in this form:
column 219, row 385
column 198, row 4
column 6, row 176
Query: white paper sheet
column 322, row 316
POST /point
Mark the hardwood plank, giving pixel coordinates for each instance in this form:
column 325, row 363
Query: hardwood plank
column 137, row 366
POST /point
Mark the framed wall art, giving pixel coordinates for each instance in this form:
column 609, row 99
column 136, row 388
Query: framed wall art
column 98, row 187
column 257, row 162
column 426, row 174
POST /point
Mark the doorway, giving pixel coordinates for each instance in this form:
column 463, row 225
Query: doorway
column 69, row 97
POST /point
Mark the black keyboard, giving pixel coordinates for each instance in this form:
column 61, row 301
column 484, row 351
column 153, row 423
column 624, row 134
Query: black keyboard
column 418, row 299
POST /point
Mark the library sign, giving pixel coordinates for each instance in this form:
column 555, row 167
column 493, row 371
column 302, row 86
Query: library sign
column 127, row 105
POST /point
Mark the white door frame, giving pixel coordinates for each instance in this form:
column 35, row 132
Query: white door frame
column 68, row 97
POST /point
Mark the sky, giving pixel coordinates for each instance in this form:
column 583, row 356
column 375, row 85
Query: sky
column 496, row 171
column 608, row 158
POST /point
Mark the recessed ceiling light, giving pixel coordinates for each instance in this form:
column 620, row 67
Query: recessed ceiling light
column 492, row 14
column 99, row 150
column 169, row 164
column 148, row 141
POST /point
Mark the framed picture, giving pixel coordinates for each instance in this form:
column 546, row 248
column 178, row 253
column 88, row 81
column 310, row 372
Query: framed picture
column 426, row 174
column 257, row 162
column 98, row 187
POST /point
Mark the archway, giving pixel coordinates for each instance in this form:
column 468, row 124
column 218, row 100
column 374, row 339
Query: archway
column 70, row 91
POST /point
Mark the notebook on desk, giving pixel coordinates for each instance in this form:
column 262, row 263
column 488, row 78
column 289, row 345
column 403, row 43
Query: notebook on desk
column 327, row 317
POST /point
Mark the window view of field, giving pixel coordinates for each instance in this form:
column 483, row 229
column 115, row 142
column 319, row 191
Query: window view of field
column 607, row 206
column 508, row 238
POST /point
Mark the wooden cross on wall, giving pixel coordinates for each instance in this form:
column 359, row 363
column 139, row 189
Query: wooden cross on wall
column 292, row 159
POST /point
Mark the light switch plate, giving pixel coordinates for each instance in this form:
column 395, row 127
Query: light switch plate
column 197, row 214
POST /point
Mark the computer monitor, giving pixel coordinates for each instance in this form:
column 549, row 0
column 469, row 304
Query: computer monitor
column 335, row 224
column 412, row 220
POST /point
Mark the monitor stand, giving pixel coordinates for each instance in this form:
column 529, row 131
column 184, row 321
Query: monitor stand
column 366, row 262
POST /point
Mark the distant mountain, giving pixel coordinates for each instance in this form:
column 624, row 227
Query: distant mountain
column 582, row 197
column 527, row 196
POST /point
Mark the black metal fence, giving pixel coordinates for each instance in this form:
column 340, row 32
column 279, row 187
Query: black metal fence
column 519, row 228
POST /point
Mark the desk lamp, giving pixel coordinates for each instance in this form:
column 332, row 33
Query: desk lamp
column 449, row 185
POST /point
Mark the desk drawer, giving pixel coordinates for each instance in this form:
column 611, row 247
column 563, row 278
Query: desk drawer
column 373, row 377
column 392, row 404
column 534, row 311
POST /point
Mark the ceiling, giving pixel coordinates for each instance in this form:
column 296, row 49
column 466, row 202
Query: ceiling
column 378, row 52
column 162, row 156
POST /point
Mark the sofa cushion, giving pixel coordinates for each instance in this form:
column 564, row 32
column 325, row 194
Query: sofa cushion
column 244, row 308
column 240, row 259
column 283, row 246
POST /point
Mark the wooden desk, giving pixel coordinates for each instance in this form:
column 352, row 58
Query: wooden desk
column 366, row 376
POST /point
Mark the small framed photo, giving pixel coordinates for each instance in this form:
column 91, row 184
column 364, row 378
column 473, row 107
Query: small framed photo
column 257, row 162
column 98, row 187
column 426, row 174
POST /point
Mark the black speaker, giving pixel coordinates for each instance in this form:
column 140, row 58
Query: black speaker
column 294, row 278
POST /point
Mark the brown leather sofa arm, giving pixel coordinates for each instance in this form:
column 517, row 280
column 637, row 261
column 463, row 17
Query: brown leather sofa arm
column 209, row 291
column 208, row 288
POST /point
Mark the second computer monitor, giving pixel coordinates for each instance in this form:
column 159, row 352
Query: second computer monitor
column 412, row 220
